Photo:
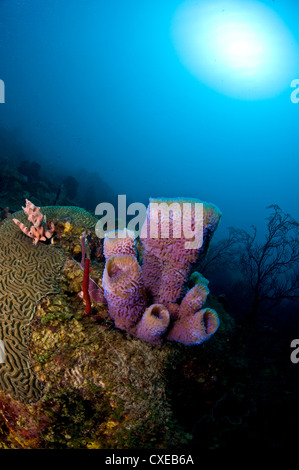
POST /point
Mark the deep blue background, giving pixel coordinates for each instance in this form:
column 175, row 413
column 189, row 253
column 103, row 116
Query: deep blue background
column 98, row 85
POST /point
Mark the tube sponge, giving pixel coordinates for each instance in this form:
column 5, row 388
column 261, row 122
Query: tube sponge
column 193, row 301
column 168, row 257
column 124, row 291
column 195, row 329
column 166, row 260
column 153, row 324
column 119, row 242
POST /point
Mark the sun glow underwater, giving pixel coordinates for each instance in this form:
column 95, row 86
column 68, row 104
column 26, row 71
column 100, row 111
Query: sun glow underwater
column 242, row 49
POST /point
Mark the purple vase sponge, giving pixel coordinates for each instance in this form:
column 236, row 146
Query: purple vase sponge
column 124, row 291
column 153, row 324
column 195, row 329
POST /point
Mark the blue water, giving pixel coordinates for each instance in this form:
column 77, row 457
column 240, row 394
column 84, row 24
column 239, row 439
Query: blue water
column 93, row 86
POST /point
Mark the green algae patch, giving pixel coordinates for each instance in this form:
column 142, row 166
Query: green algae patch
column 102, row 388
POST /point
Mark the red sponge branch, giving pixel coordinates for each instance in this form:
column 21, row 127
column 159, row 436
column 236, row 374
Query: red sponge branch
column 85, row 287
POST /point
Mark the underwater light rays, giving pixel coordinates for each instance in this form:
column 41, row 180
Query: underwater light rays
column 243, row 50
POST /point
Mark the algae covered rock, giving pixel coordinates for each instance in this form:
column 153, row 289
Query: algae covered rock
column 27, row 274
column 76, row 381
column 102, row 388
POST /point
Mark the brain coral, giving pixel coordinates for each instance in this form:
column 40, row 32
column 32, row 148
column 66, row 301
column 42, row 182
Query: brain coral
column 27, row 274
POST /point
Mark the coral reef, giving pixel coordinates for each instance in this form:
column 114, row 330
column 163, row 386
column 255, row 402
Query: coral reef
column 104, row 389
column 39, row 230
column 72, row 380
column 166, row 267
column 27, row 274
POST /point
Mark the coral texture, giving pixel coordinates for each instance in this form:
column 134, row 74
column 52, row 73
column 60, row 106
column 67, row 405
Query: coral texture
column 124, row 291
column 167, row 261
column 119, row 242
column 39, row 230
column 27, row 274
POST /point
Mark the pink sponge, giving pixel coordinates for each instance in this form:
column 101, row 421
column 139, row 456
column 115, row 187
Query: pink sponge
column 39, row 230
column 167, row 259
column 153, row 324
column 119, row 242
column 195, row 329
column 124, row 291
column 193, row 301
